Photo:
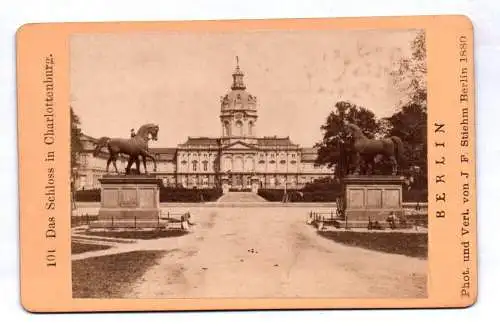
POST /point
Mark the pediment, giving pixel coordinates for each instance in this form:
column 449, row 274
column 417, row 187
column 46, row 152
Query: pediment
column 239, row 145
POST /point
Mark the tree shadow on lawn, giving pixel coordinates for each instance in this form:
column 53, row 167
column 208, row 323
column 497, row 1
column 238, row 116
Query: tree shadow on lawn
column 111, row 276
column 408, row 244
column 141, row 235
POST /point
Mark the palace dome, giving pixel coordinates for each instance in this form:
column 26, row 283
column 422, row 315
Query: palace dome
column 238, row 98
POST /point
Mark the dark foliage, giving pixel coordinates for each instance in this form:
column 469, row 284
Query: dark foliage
column 166, row 195
column 298, row 195
column 78, row 248
column 331, row 151
column 88, row 195
column 415, row 195
column 189, row 195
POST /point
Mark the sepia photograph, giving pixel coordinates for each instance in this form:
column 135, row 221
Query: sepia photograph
column 249, row 164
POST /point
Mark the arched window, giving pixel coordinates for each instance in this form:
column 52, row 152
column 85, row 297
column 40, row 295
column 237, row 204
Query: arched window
column 239, row 128
column 227, row 129
column 195, row 165
column 205, row 165
column 250, row 128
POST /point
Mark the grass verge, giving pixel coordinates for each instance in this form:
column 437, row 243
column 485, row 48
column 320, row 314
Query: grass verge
column 78, row 248
column 136, row 234
column 111, row 276
column 408, row 244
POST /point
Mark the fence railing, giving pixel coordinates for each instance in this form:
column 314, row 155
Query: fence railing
column 162, row 219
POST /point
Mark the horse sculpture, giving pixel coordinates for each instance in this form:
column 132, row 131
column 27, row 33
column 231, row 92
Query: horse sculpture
column 135, row 147
column 373, row 150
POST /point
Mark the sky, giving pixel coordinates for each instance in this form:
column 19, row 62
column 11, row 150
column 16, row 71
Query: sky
column 121, row 81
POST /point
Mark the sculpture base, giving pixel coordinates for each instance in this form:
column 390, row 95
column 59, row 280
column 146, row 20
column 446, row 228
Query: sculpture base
column 131, row 201
column 374, row 198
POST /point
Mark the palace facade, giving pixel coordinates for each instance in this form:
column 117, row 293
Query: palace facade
column 238, row 159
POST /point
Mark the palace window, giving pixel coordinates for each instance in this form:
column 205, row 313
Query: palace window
column 272, row 155
column 239, row 128
column 205, row 165
column 195, row 165
column 293, row 155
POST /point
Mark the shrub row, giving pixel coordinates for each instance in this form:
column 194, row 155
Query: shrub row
column 166, row 195
column 212, row 194
column 240, row 189
column 299, row 196
column 88, row 195
column 189, row 195
column 416, row 195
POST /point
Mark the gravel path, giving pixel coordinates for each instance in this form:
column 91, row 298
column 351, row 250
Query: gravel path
column 271, row 252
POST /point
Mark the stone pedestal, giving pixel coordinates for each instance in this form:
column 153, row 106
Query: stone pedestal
column 129, row 202
column 375, row 198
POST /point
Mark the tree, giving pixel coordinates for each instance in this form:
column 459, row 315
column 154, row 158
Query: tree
column 76, row 144
column 410, row 124
column 329, row 149
column 411, row 74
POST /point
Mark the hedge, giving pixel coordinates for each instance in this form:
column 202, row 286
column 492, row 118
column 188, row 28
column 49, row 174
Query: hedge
column 189, row 195
column 414, row 195
column 166, row 195
column 88, row 195
column 299, row 196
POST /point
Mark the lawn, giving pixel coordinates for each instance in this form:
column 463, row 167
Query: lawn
column 111, row 276
column 78, row 248
column 408, row 244
column 138, row 234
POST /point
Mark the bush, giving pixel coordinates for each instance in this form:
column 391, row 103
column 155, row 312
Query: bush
column 166, row 195
column 240, row 189
column 189, row 195
column 415, row 195
column 271, row 194
column 88, row 195
column 323, row 184
column 299, row 195
column 331, row 195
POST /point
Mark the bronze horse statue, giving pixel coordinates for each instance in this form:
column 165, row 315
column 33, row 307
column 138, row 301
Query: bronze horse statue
column 135, row 147
column 372, row 151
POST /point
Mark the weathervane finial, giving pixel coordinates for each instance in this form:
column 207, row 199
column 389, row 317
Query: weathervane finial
column 237, row 62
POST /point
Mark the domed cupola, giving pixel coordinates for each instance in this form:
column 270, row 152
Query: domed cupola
column 238, row 109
